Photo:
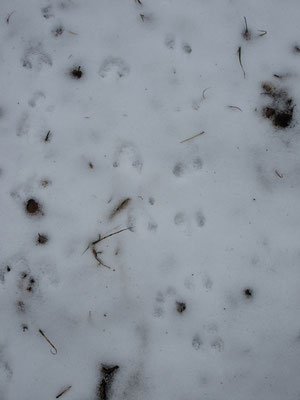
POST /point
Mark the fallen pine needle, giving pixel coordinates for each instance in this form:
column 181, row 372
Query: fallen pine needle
column 278, row 174
column 240, row 60
column 263, row 32
column 63, row 392
column 51, row 344
column 193, row 137
column 235, row 108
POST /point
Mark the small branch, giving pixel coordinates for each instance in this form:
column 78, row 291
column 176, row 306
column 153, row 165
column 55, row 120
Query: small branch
column 51, row 344
column 63, row 392
column 193, row 137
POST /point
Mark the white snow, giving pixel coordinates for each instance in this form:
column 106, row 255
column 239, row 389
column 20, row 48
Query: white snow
column 208, row 218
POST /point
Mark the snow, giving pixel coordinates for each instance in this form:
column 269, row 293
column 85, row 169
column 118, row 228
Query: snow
column 213, row 221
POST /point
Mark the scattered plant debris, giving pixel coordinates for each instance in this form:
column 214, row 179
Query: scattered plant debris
column 45, row 182
column 107, row 376
column 240, row 60
column 180, row 306
column 263, row 33
column 93, row 244
column 47, row 136
column 246, row 33
column 42, row 239
column 63, row 392
column 121, row 206
column 51, row 344
column 235, row 108
column 193, row 137
column 281, row 109
column 91, row 165
column 77, row 72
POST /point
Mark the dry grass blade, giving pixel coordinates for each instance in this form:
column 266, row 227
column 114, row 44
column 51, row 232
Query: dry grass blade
column 100, row 262
column 112, row 234
column 240, row 60
column 63, row 392
column 235, row 108
column 47, row 136
column 120, row 207
column 193, row 137
column 51, row 344
column 278, row 174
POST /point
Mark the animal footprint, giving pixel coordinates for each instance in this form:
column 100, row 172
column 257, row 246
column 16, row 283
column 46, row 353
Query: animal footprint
column 114, row 66
column 182, row 168
column 127, row 154
column 34, row 58
column 197, row 342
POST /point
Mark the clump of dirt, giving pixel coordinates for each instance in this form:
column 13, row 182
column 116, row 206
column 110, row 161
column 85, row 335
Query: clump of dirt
column 248, row 292
column 76, row 72
column 42, row 239
column 107, row 376
column 180, row 307
column 33, row 207
column 280, row 110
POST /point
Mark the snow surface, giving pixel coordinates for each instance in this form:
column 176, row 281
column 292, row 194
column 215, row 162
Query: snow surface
column 209, row 218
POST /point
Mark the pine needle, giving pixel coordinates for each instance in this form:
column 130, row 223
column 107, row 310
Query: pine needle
column 63, row 392
column 51, row 344
column 240, row 60
column 193, row 137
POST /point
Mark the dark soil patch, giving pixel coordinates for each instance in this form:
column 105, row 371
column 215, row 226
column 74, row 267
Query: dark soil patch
column 181, row 307
column 248, row 292
column 42, row 239
column 76, row 72
column 33, row 207
column 107, row 376
column 280, row 111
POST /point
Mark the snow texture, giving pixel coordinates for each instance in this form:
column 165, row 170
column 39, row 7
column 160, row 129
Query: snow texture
column 199, row 298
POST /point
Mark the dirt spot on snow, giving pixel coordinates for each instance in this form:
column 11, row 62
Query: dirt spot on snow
column 33, row 207
column 180, row 307
column 281, row 107
column 107, row 377
column 42, row 238
column 76, row 72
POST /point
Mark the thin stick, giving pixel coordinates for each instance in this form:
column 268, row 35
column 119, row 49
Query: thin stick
column 193, row 137
column 235, row 108
column 51, row 344
column 63, row 392
column 240, row 60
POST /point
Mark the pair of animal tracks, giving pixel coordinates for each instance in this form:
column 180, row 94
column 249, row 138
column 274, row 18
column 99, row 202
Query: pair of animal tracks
column 170, row 43
column 182, row 219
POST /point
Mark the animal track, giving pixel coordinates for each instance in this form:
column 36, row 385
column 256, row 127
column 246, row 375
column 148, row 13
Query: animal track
column 35, row 57
column 182, row 168
column 114, row 66
column 196, row 342
column 127, row 154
